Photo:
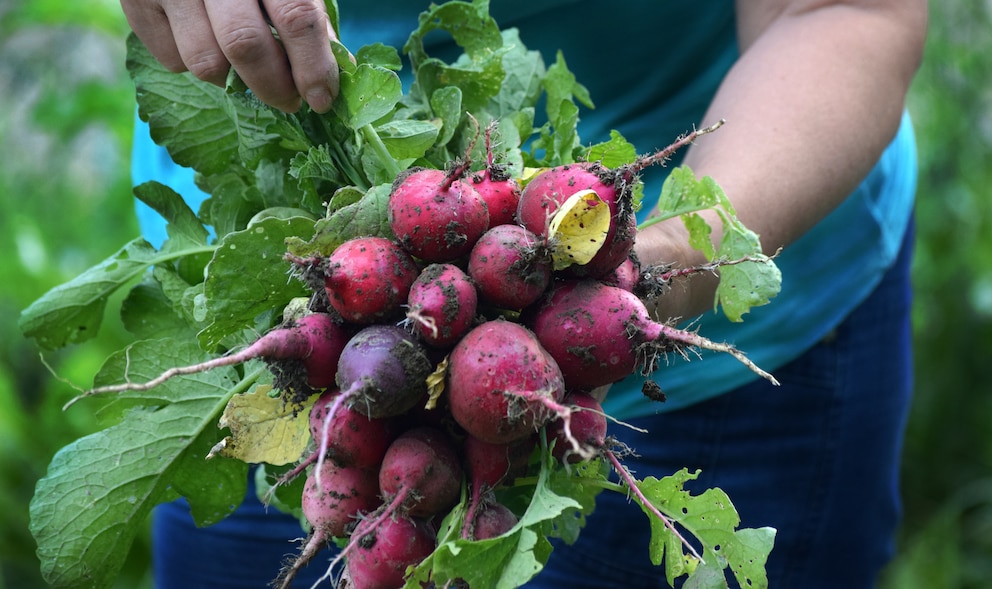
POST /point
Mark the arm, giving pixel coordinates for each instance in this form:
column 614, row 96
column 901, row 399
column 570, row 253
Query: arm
column 814, row 99
column 208, row 38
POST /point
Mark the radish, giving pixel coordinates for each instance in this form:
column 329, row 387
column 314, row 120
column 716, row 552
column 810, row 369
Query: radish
column 385, row 550
column 488, row 466
column 547, row 191
column 510, row 267
column 436, row 216
column 494, row 519
column 421, row 473
column 315, row 340
column 502, row 385
column 497, row 187
column 442, row 304
column 350, row 437
column 598, row 334
column 368, row 279
column 332, row 507
column 382, row 371
column 420, row 477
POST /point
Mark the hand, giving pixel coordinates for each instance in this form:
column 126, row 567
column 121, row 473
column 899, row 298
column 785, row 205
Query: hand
column 208, row 37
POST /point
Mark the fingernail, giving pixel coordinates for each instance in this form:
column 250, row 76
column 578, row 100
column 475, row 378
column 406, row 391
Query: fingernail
column 319, row 99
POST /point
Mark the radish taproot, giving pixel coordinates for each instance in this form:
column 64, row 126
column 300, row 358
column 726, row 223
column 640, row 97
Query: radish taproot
column 442, row 304
column 598, row 334
column 502, row 385
column 510, row 267
column 581, row 434
column 435, row 215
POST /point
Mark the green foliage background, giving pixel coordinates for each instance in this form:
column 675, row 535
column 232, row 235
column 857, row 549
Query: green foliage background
column 65, row 204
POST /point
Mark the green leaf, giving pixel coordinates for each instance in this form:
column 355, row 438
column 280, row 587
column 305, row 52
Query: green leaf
column 186, row 115
column 184, row 228
column 99, row 489
column 712, row 519
column 749, row 284
column 72, row 312
column 743, row 285
column 613, row 153
column 408, row 139
column 247, row 276
column 512, row 559
column 367, row 95
column 368, row 216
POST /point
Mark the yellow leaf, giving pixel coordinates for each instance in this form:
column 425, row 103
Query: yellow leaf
column 435, row 384
column 578, row 229
column 264, row 429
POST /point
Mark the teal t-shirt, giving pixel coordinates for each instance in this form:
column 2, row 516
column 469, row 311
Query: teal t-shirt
column 651, row 69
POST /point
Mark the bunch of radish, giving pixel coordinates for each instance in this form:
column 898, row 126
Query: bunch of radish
column 445, row 355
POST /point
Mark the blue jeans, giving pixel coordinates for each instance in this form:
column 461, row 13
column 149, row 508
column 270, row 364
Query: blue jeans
column 817, row 458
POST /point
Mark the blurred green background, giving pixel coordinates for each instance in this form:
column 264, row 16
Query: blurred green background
column 65, row 204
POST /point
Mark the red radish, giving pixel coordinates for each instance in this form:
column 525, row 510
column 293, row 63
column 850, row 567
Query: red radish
column 502, row 385
column 510, row 267
column 386, row 549
column 351, row 437
column 316, row 340
column 598, row 334
column 548, row 190
column 583, row 433
column 368, row 279
column 420, row 477
column 489, row 465
column 626, row 275
column 332, row 507
column 500, row 190
column 494, row 519
column 442, row 304
column 436, row 216
column 421, row 473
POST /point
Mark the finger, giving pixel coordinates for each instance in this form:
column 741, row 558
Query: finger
column 151, row 25
column 195, row 40
column 249, row 45
column 305, row 32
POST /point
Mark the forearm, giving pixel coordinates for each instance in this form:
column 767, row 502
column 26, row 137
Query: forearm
column 814, row 99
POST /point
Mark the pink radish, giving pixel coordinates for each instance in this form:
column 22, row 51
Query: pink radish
column 510, row 267
column 315, row 340
column 332, row 507
column 436, row 216
column 497, row 187
column 502, row 385
column 547, row 191
column 598, row 334
column 368, row 279
column 421, row 473
column 442, row 304
column 385, row 550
